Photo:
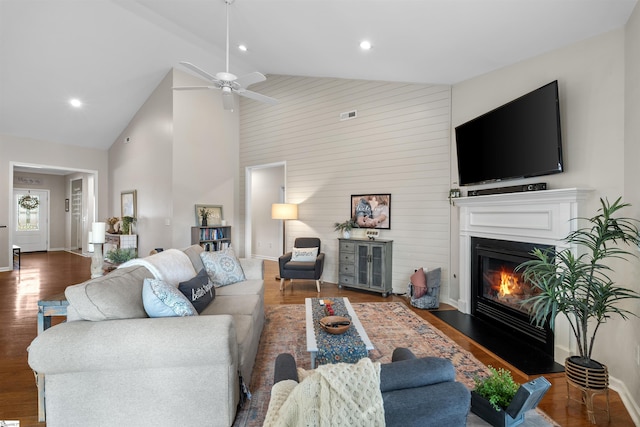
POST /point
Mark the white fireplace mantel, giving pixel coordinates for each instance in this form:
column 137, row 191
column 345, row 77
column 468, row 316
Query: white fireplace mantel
column 542, row 217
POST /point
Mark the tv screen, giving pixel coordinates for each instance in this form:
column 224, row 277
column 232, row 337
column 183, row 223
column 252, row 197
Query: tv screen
column 517, row 140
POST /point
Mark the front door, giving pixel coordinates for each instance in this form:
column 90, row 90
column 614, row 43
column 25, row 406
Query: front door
column 31, row 219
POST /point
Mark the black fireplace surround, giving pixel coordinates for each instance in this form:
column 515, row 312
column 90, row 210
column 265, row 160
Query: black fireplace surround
column 497, row 291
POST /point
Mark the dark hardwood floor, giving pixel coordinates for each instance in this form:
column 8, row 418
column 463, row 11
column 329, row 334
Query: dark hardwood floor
column 46, row 274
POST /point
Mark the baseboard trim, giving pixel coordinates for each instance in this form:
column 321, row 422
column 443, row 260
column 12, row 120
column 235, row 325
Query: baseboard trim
column 629, row 403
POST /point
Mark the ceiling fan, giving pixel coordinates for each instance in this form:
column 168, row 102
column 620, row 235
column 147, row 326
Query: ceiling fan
column 228, row 82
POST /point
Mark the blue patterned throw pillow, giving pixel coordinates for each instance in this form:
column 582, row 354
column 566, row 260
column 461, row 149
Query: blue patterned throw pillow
column 161, row 299
column 223, row 267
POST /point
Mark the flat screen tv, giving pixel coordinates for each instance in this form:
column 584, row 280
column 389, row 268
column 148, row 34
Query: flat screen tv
column 517, row 140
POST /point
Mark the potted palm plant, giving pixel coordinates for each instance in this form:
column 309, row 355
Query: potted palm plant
column 345, row 227
column 580, row 286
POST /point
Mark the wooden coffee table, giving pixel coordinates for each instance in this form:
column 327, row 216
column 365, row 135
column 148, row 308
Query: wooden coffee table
column 312, row 345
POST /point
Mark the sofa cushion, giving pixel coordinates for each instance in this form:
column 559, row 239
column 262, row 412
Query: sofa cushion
column 117, row 295
column 253, row 268
column 199, row 290
column 304, row 254
column 419, row 282
column 193, row 252
column 246, row 287
column 162, row 299
column 223, row 267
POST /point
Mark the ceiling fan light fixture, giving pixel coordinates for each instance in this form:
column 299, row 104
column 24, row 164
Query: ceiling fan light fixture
column 365, row 45
column 229, row 83
column 225, row 77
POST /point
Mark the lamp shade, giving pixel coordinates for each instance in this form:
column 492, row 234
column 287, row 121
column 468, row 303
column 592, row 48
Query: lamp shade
column 284, row 211
column 98, row 229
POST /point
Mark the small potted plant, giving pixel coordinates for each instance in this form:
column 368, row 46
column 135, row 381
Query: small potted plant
column 502, row 402
column 126, row 224
column 345, row 227
column 204, row 214
column 119, row 256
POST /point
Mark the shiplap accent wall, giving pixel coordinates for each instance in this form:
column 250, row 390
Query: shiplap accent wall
column 399, row 144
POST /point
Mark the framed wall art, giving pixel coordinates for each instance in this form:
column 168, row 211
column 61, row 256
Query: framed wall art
column 208, row 215
column 371, row 210
column 128, row 201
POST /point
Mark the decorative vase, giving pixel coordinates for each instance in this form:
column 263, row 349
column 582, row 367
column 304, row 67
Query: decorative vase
column 346, row 234
column 204, row 221
column 111, row 230
column 592, row 375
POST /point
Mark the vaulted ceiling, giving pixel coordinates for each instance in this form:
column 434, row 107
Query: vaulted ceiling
column 111, row 54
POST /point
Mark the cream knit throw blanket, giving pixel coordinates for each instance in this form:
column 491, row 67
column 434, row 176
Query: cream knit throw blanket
column 341, row 394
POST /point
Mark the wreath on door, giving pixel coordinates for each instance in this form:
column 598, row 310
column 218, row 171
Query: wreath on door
column 27, row 202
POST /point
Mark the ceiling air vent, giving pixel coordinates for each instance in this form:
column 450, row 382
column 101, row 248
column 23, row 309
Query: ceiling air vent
column 348, row 115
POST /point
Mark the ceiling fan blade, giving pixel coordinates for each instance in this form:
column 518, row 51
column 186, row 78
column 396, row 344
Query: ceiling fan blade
column 257, row 96
column 249, row 79
column 227, row 100
column 194, row 87
column 200, row 71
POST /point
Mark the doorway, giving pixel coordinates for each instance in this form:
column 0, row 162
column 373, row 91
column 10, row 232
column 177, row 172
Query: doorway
column 265, row 185
column 31, row 219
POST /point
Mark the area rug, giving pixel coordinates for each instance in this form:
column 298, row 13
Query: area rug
column 389, row 325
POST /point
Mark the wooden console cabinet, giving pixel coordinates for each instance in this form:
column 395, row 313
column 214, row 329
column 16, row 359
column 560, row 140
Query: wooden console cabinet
column 366, row 264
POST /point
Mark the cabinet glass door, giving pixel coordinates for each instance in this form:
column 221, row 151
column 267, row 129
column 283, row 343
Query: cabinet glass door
column 377, row 262
column 363, row 265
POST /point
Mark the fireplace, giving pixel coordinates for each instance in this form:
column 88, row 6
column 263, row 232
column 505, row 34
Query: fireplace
column 498, row 291
column 541, row 217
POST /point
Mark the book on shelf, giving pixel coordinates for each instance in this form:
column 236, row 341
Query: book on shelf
column 214, row 246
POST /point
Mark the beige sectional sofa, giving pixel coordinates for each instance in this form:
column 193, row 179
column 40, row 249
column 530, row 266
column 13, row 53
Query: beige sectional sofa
column 111, row 365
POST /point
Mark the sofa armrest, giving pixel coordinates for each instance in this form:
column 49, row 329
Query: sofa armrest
column 253, row 268
column 285, row 368
column 320, row 262
column 131, row 344
column 283, row 259
column 412, row 373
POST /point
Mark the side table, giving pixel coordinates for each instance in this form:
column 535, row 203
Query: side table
column 47, row 308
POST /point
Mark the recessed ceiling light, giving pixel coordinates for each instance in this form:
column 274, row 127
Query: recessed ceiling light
column 242, row 47
column 75, row 102
column 365, row 45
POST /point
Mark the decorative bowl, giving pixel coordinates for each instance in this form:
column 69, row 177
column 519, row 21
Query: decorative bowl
column 335, row 324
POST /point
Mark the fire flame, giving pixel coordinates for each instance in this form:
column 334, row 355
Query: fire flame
column 508, row 283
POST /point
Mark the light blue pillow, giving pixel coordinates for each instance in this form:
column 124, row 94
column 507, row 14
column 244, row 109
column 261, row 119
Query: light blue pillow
column 161, row 299
column 223, row 267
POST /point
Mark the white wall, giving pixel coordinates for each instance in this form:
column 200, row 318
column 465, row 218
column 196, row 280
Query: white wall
column 204, row 160
column 29, row 151
column 144, row 164
column 398, row 144
column 625, row 335
column 183, row 152
column 592, row 86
